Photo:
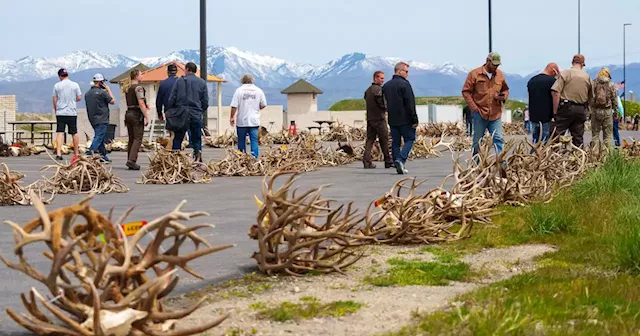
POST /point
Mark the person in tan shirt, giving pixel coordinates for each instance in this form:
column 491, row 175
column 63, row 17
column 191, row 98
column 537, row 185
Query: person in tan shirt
column 571, row 96
column 485, row 91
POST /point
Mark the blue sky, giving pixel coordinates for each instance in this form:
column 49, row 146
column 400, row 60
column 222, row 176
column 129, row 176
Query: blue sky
column 528, row 33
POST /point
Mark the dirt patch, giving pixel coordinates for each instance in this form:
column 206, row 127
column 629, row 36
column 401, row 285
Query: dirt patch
column 384, row 308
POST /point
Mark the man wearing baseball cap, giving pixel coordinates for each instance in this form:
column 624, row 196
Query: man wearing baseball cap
column 66, row 94
column 485, row 91
column 164, row 93
column 571, row 96
column 98, row 99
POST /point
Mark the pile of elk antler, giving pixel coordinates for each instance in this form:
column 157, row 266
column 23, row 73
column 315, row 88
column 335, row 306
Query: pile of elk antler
column 174, row 167
column 414, row 218
column 305, row 155
column 513, row 129
column 301, row 231
column 237, row 163
column 87, row 174
column 284, row 137
column 20, row 148
column 437, row 130
column 344, row 133
column 11, row 192
column 228, row 139
column 631, row 149
column 102, row 281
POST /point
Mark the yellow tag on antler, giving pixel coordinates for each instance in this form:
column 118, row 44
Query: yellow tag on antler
column 238, row 151
column 381, row 201
column 133, row 227
column 283, row 147
column 310, row 143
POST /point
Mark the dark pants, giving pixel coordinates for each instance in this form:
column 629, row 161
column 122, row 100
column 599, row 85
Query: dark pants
column 252, row 132
column 97, row 144
column 134, row 120
column 404, row 133
column 377, row 129
column 572, row 118
column 195, row 137
column 469, row 126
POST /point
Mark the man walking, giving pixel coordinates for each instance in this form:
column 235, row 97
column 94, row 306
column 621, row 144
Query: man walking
column 66, row 93
column 402, row 116
column 571, row 96
column 485, row 91
column 98, row 99
column 605, row 99
column 247, row 101
column 541, row 102
column 376, row 124
column 466, row 115
column 164, row 93
column 527, row 120
column 191, row 91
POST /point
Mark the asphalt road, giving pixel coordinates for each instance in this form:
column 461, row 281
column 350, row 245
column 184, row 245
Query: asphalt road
column 228, row 200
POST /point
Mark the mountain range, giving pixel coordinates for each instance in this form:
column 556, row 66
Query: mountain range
column 31, row 78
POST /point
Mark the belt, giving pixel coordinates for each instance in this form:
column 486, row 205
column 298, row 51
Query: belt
column 573, row 103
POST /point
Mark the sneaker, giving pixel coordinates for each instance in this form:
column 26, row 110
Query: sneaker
column 369, row 166
column 388, row 165
column 59, row 158
column 400, row 168
column 133, row 165
column 106, row 160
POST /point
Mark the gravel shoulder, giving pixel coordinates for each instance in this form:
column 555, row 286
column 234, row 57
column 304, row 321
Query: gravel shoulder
column 385, row 308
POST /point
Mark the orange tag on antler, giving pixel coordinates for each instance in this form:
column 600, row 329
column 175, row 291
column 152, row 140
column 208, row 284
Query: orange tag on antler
column 133, row 227
column 381, row 201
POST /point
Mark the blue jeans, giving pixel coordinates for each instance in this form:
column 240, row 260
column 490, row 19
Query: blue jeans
column 616, row 132
column 195, row 138
column 252, row 132
column 544, row 127
column 97, row 144
column 408, row 135
column 480, row 125
column 527, row 126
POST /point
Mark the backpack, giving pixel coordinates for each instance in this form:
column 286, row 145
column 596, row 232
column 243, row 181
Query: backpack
column 601, row 95
column 178, row 117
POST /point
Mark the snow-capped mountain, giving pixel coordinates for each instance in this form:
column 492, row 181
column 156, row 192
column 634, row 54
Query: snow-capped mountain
column 34, row 68
column 30, row 78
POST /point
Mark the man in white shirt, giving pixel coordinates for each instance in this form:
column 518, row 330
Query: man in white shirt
column 65, row 95
column 248, row 100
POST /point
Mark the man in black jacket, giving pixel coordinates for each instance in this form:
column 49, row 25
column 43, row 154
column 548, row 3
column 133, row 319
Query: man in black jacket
column 164, row 93
column 402, row 116
column 191, row 91
column 376, row 125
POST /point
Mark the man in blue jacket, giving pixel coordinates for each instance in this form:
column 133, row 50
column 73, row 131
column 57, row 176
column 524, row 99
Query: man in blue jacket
column 191, row 91
column 164, row 92
column 402, row 116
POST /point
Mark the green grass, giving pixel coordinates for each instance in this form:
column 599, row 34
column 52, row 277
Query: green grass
column 309, row 307
column 421, row 273
column 358, row 104
column 443, row 255
column 590, row 286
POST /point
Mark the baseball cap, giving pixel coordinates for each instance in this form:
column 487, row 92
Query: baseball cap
column 577, row 58
column 495, row 58
column 172, row 68
column 63, row 72
column 98, row 77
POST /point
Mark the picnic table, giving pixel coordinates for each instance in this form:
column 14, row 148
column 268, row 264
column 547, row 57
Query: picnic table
column 321, row 122
column 33, row 124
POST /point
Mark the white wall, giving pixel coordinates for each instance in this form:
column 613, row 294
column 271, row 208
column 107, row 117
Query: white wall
column 268, row 115
column 302, row 103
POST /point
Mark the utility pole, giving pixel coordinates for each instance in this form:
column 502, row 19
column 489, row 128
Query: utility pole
column 203, row 55
column 490, row 42
column 578, row 26
column 624, row 64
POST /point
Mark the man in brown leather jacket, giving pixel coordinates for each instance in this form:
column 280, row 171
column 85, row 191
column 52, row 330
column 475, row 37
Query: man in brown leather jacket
column 376, row 122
